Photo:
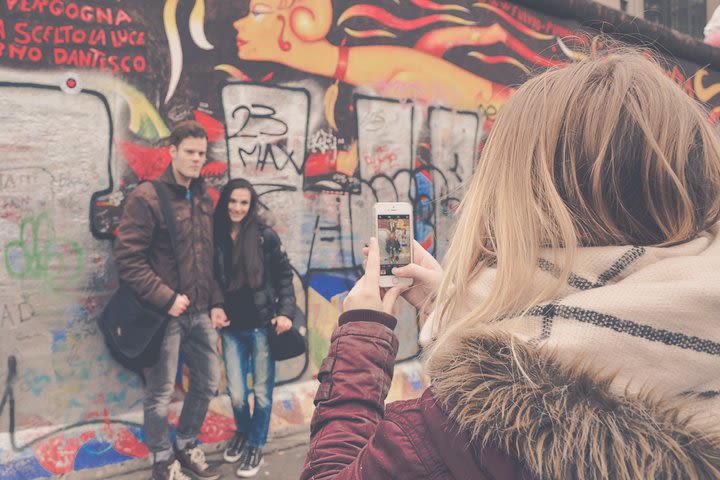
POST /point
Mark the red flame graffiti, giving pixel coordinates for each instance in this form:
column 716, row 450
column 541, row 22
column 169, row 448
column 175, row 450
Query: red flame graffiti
column 430, row 5
column 148, row 163
column 388, row 19
column 440, row 41
column 215, row 129
column 213, row 168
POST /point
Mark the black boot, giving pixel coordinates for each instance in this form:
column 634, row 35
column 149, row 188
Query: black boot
column 236, row 448
column 250, row 465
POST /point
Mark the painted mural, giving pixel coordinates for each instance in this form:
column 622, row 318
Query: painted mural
column 326, row 106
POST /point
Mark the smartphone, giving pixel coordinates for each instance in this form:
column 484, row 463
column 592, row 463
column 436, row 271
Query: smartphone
column 394, row 231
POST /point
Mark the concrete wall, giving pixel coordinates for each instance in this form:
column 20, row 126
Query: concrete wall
column 610, row 3
column 711, row 6
column 637, row 7
column 88, row 92
column 634, row 7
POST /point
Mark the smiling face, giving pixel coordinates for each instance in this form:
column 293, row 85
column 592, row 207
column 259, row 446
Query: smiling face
column 239, row 204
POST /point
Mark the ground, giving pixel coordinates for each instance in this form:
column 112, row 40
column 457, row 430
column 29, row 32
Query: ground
column 284, row 458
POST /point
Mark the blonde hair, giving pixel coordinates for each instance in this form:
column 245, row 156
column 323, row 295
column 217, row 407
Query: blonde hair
column 605, row 151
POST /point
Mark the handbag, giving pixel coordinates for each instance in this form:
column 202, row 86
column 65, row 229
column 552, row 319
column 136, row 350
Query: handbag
column 132, row 329
column 289, row 344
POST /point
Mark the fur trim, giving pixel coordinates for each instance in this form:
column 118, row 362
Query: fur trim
column 563, row 423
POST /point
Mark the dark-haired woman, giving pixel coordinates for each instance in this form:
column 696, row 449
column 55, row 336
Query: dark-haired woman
column 256, row 277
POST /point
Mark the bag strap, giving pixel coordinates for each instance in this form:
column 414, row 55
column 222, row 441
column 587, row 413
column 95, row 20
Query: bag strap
column 162, row 194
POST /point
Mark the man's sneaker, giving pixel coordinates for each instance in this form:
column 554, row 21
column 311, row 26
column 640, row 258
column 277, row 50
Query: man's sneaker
column 236, row 448
column 192, row 459
column 250, row 465
column 169, row 470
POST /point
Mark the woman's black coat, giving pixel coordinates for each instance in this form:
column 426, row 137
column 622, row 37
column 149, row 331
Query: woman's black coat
column 276, row 295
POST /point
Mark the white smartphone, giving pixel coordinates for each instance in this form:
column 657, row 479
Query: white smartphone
column 394, row 231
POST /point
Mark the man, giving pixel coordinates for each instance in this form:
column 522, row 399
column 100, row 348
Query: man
column 183, row 286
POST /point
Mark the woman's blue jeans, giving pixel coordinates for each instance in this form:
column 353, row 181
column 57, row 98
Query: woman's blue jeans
column 248, row 351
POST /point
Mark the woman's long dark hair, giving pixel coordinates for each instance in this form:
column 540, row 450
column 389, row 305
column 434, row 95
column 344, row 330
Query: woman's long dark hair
column 245, row 251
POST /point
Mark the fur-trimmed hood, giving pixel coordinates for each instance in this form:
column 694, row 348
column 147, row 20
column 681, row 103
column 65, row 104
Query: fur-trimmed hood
column 562, row 422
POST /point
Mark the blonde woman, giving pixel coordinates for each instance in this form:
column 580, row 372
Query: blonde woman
column 575, row 326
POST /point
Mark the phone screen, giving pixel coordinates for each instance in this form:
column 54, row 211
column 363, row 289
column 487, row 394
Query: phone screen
column 395, row 241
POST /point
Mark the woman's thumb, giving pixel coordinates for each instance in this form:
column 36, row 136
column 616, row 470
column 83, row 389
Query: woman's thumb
column 411, row 270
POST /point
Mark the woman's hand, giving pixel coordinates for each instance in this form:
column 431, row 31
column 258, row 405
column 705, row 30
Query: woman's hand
column 426, row 273
column 282, row 324
column 366, row 294
column 218, row 318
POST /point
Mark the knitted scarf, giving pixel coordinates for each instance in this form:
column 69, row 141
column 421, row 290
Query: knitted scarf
column 649, row 317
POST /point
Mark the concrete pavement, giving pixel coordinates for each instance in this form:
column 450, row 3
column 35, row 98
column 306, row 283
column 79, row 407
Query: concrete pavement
column 284, row 458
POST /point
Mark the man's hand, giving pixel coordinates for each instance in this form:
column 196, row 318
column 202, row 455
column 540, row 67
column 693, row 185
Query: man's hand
column 366, row 293
column 182, row 302
column 218, row 318
column 282, row 324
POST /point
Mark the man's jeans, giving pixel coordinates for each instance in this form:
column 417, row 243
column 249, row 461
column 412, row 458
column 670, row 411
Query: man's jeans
column 194, row 335
column 247, row 351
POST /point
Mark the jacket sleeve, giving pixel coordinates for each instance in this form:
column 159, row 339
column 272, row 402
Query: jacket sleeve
column 349, row 439
column 281, row 275
column 217, row 297
column 135, row 235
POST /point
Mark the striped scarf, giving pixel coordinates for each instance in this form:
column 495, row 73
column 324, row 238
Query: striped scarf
column 647, row 316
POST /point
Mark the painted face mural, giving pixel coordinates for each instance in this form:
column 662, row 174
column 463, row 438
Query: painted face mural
column 294, row 33
column 273, row 30
column 325, row 106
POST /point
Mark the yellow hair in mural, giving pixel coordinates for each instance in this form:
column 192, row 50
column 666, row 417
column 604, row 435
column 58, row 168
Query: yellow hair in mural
column 197, row 33
column 145, row 121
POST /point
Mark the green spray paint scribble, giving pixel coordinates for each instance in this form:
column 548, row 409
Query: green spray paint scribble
column 38, row 254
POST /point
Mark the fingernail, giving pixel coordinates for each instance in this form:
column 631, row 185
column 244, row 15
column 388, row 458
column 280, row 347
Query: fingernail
column 393, row 270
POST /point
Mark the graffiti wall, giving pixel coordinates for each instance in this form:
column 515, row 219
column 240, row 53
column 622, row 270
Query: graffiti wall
column 326, row 106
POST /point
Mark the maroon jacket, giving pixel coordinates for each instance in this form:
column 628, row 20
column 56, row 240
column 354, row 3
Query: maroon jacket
column 492, row 412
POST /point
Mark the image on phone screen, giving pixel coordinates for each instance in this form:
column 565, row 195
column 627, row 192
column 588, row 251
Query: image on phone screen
column 395, row 241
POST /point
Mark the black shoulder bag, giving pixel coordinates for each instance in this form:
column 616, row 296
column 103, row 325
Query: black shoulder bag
column 289, row 344
column 133, row 330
